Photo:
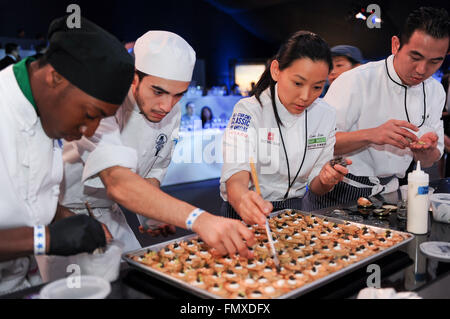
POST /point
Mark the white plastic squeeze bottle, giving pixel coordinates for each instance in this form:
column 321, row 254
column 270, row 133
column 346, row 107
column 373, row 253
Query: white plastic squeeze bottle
column 417, row 218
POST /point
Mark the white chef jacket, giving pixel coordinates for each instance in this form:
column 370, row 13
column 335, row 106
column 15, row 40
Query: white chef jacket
column 30, row 174
column 127, row 139
column 253, row 132
column 365, row 97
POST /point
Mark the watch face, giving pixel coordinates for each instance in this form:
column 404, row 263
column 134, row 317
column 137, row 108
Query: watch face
column 436, row 249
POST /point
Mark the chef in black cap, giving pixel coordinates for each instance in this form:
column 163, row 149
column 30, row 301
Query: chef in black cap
column 83, row 77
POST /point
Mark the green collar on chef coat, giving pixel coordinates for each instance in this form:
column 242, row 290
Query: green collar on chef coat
column 21, row 74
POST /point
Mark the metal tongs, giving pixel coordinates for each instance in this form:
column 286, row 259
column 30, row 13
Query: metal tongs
column 268, row 231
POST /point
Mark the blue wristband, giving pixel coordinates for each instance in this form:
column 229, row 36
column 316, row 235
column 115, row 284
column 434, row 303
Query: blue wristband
column 39, row 240
column 192, row 217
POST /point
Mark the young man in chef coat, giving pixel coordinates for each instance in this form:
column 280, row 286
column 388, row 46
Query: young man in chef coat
column 127, row 158
column 43, row 101
column 389, row 112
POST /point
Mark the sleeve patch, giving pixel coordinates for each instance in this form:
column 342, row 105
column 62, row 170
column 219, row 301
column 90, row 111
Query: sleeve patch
column 240, row 122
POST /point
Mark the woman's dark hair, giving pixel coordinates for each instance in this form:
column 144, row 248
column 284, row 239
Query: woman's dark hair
column 302, row 44
column 203, row 117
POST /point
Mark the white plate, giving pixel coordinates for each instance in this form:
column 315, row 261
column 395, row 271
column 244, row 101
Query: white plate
column 82, row 287
column 436, row 249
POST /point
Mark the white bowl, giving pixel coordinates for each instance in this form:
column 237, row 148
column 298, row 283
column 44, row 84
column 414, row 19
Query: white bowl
column 441, row 207
column 105, row 265
column 81, row 287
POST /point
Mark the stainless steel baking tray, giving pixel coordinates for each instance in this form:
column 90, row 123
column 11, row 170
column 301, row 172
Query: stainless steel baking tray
column 294, row 293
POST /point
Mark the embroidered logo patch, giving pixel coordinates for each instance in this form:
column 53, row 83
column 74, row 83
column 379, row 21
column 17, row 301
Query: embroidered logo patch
column 240, row 122
column 161, row 140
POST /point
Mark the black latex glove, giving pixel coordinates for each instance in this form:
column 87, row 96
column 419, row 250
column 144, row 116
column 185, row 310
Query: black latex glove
column 74, row 235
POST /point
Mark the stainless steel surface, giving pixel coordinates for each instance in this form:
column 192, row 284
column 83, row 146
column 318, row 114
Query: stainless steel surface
column 294, row 293
column 162, row 276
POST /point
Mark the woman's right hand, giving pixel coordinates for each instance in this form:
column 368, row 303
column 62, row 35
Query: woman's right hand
column 253, row 209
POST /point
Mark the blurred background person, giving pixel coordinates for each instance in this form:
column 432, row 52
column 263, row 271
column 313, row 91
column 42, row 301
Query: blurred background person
column 207, row 117
column 345, row 57
column 189, row 115
column 236, row 90
column 12, row 55
column 189, row 120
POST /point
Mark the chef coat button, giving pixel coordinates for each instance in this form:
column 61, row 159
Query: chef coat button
column 31, row 132
column 33, row 199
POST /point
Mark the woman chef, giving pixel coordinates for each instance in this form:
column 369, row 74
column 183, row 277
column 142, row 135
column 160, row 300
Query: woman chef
column 286, row 130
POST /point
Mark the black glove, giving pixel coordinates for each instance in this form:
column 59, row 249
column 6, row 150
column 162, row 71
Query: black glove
column 74, row 235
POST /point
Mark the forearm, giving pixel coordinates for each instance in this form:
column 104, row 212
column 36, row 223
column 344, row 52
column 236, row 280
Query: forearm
column 237, row 185
column 140, row 196
column 318, row 188
column 155, row 182
column 347, row 142
column 427, row 158
column 18, row 242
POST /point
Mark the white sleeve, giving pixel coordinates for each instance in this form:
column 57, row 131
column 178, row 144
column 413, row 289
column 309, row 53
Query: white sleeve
column 327, row 152
column 104, row 150
column 436, row 123
column 239, row 142
column 342, row 95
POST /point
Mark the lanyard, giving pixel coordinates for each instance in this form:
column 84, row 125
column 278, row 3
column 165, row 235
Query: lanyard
column 406, row 90
column 287, row 158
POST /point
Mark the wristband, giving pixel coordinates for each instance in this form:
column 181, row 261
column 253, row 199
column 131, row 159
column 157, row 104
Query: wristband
column 39, row 240
column 192, row 217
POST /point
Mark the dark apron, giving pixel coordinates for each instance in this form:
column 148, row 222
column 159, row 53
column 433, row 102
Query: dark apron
column 342, row 193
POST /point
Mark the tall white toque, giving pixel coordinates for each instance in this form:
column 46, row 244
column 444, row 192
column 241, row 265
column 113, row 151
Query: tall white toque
column 166, row 55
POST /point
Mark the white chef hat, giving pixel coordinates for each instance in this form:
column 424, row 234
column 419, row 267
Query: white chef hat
column 164, row 54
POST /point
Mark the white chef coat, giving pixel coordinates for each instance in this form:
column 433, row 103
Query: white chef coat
column 127, row 139
column 253, row 132
column 30, row 174
column 365, row 97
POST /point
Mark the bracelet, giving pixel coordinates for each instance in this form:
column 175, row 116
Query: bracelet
column 39, row 240
column 192, row 217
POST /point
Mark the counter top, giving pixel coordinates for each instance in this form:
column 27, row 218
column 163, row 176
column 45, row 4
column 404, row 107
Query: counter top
column 406, row 269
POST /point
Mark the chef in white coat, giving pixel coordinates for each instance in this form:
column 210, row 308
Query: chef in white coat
column 389, row 111
column 127, row 158
column 42, row 102
column 287, row 130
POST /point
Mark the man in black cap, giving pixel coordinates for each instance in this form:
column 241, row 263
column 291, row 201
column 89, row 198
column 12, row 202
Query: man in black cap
column 83, row 77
